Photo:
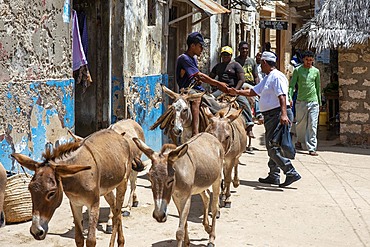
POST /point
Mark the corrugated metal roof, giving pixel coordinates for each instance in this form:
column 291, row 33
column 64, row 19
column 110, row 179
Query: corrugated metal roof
column 209, row 6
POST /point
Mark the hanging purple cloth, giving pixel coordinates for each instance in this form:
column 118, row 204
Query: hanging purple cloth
column 83, row 30
column 78, row 54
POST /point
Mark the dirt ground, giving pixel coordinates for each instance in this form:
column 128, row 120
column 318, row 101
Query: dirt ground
column 329, row 206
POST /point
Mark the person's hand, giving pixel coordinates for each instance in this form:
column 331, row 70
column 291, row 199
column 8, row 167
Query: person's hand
column 291, row 103
column 284, row 120
column 223, row 87
column 233, row 91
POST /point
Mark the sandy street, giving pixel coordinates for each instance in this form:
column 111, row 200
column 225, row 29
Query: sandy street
column 329, row 206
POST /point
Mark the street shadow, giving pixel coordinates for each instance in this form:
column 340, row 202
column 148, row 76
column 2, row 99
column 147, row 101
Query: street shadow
column 196, row 210
column 329, row 141
column 259, row 186
column 172, row 243
column 103, row 218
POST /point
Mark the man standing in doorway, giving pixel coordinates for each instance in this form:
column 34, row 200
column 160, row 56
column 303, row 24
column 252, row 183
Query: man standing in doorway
column 188, row 74
column 251, row 77
column 273, row 90
column 308, row 102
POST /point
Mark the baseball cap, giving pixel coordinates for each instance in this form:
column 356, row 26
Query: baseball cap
column 227, row 49
column 195, row 38
column 268, row 56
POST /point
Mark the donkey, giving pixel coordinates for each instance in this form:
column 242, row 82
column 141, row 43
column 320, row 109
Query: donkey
column 183, row 118
column 131, row 129
column 230, row 131
column 84, row 171
column 182, row 172
column 3, row 179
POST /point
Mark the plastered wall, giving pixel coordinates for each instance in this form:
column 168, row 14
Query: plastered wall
column 36, row 92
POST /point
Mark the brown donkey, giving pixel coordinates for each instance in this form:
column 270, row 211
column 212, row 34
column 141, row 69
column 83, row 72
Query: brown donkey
column 182, row 172
column 84, row 171
column 3, row 180
column 229, row 128
column 131, row 129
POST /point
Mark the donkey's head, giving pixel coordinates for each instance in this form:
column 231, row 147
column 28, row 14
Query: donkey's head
column 182, row 107
column 162, row 175
column 220, row 125
column 46, row 188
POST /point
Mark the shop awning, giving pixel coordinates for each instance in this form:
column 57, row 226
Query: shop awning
column 207, row 6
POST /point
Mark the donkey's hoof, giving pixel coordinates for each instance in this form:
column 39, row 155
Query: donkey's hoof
column 218, row 214
column 227, row 204
column 109, row 230
column 236, row 183
column 210, row 245
column 135, row 204
column 126, row 213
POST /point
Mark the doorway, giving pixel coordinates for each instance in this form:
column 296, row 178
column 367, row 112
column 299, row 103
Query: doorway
column 92, row 103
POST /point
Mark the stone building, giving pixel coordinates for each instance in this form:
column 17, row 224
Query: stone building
column 131, row 48
column 344, row 26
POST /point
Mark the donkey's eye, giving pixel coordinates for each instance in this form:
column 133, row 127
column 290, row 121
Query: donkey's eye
column 50, row 195
column 169, row 183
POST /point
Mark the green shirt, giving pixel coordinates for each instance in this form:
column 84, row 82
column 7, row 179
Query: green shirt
column 309, row 88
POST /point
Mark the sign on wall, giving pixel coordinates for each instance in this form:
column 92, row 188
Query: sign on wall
column 278, row 25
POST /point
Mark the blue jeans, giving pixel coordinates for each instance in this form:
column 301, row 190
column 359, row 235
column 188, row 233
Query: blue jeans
column 276, row 160
column 307, row 117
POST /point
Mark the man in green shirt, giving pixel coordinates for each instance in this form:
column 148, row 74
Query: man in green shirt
column 308, row 102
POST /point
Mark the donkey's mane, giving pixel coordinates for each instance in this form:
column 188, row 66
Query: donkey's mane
column 58, row 152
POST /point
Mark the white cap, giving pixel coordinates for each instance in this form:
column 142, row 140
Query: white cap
column 268, row 56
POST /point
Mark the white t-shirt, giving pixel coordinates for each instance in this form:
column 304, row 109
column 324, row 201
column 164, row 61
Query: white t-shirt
column 272, row 85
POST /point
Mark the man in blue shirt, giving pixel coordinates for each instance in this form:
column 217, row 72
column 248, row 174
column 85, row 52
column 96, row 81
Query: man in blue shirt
column 188, row 74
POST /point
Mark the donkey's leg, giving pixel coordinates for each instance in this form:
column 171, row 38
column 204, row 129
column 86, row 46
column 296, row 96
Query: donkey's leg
column 117, row 219
column 236, row 181
column 77, row 218
column 183, row 206
column 132, row 200
column 227, row 180
column 93, row 221
column 205, row 199
column 110, row 198
column 216, row 186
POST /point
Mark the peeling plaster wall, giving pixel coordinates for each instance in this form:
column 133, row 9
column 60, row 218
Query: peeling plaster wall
column 36, row 92
column 142, row 67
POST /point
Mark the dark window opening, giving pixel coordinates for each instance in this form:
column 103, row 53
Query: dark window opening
column 152, row 13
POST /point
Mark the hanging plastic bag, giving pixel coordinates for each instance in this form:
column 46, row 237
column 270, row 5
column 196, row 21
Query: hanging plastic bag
column 282, row 138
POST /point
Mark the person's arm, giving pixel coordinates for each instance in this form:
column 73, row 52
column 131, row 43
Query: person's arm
column 292, row 83
column 244, row 92
column 241, row 75
column 220, row 85
column 284, row 116
column 318, row 87
column 213, row 73
column 255, row 73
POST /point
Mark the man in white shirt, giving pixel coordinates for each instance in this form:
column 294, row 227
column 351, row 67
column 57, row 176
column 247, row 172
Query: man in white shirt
column 273, row 91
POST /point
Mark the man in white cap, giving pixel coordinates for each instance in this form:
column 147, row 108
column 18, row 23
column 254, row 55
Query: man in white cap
column 273, row 91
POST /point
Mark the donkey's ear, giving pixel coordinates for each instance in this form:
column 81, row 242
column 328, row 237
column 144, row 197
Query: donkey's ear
column 169, row 92
column 26, row 161
column 143, row 147
column 195, row 96
column 235, row 115
column 207, row 112
column 75, row 137
column 178, row 153
column 69, row 170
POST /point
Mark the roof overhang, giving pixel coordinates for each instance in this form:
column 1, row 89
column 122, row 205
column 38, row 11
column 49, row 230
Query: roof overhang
column 209, row 7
